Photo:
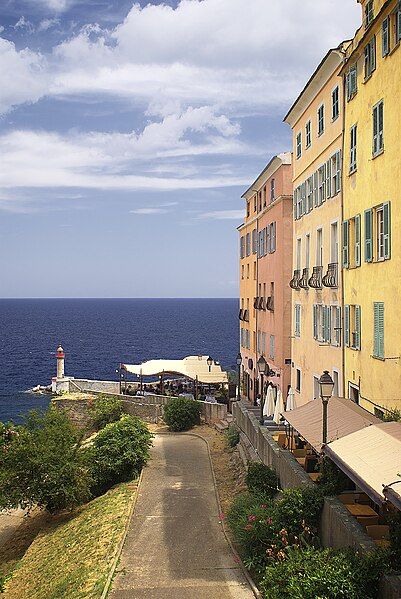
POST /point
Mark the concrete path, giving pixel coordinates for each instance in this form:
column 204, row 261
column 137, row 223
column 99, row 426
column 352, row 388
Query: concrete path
column 175, row 547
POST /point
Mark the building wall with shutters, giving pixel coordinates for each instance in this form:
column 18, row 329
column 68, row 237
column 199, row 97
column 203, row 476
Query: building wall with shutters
column 376, row 367
column 317, row 187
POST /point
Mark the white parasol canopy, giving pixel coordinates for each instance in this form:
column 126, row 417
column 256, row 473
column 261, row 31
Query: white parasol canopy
column 291, row 403
column 279, row 407
column 193, row 367
column 268, row 408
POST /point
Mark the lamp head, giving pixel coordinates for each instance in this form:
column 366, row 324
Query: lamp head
column 239, row 360
column 263, row 366
column 326, row 384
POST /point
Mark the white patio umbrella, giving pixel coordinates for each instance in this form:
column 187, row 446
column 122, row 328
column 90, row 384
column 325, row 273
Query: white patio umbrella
column 279, row 407
column 268, row 408
column 291, row 403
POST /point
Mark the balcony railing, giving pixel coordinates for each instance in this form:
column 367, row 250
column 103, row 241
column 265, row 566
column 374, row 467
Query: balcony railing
column 262, row 303
column 294, row 283
column 246, row 316
column 330, row 279
column 316, row 279
column 270, row 304
column 303, row 282
column 241, row 314
column 256, row 303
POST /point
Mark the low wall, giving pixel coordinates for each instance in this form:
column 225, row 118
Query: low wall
column 98, row 386
column 337, row 528
column 148, row 407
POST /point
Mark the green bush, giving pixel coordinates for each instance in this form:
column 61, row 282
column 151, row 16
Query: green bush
column 41, row 463
column 393, row 415
column 119, row 452
column 266, row 529
column 232, row 435
column 395, row 541
column 262, row 479
column 311, row 574
column 332, row 480
column 105, row 409
column 181, row 414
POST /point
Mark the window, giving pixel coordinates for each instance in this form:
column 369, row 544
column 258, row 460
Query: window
column 336, row 173
column 352, row 82
column 260, row 201
column 264, row 197
column 369, row 14
column 378, row 233
column 297, row 314
column 308, row 134
column 242, row 247
column 352, row 239
column 319, row 247
column 335, row 96
column 299, row 145
column 254, row 271
column 386, row 37
column 272, row 190
column 352, row 327
column 309, row 194
column 261, row 252
column 345, row 245
column 300, row 201
column 298, row 381
column 263, row 343
column 272, row 347
column 378, row 330
column 322, row 184
column 322, row 323
column 378, row 125
column 272, row 238
column 247, row 271
column 298, row 254
column 248, row 244
column 248, row 209
column 254, row 241
column 320, row 120
column 336, row 381
column 335, row 325
column 307, row 250
column 328, row 179
column 242, row 271
column 398, row 23
column 370, row 57
column 255, row 203
column 352, row 149
column 334, row 243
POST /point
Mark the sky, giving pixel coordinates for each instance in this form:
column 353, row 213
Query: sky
column 129, row 131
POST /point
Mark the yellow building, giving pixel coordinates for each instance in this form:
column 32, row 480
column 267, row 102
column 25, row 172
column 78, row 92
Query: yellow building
column 371, row 247
column 316, row 119
column 248, row 284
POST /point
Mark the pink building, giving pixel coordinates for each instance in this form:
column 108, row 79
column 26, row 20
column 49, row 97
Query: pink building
column 271, row 197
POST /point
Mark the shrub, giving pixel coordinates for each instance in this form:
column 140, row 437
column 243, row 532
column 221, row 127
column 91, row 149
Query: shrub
column 297, row 506
column 119, row 452
column 262, row 479
column 41, row 463
column 181, row 413
column 232, row 435
column 332, row 480
column 393, row 415
column 327, row 574
column 104, row 410
column 395, row 541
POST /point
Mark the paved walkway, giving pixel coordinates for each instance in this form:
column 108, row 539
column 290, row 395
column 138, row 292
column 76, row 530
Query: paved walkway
column 175, row 547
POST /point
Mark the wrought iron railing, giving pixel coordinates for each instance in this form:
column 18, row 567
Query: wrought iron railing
column 316, row 279
column 330, row 279
column 303, row 282
column 270, row 304
column 294, row 283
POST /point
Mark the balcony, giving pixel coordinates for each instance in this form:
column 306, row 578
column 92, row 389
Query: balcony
column 246, row 316
column 256, row 303
column 303, row 282
column 330, row 279
column 294, row 283
column 241, row 314
column 316, row 279
column 270, row 304
column 262, row 303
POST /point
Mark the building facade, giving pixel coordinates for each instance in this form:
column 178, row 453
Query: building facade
column 316, row 119
column 266, row 256
column 371, row 247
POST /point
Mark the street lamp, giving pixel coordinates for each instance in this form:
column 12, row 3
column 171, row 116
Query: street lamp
column 263, row 369
column 209, row 362
column 239, row 362
column 326, row 385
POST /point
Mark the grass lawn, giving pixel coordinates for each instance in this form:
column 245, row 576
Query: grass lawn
column 72, row 554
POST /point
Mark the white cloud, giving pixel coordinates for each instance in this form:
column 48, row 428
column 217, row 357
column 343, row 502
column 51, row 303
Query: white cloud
column 23, row 23
column 23, row 76
column 46, row 24
column 55, row 5
column 223, row 215
column 149, row 211
column 245, row 55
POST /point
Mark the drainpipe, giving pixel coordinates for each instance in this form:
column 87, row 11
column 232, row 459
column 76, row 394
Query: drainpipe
column 341, row 270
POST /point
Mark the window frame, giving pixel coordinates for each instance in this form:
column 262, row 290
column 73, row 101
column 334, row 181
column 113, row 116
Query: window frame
column 386, row 34
column 298, row 145
column 370, row 58
column 308, row 134
column 335, row 99
column 320, row 120
column 378, row 134
column 353, row 158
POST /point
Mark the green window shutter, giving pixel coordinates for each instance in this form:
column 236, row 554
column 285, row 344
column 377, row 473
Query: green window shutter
column 387, row 229
column 326, row 324
column 346, row 244
column 369, row 235
column 328, row 178
column 316, row 188
column 315, row 321
column 357, row 343
column 357, row 236
column 378, row 330
column 346, row 326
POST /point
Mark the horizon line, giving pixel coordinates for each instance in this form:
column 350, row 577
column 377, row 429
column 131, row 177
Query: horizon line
column 115, row 298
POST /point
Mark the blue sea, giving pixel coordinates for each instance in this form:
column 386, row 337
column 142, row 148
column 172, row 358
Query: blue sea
column 98, row 334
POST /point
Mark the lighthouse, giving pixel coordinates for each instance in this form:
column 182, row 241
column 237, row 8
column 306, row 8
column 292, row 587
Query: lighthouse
column 60, row 362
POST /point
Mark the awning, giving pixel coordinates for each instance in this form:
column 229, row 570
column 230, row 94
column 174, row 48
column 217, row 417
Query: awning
column 344, row 417
column 392, row 493
column 191, row 367
column 371, row 457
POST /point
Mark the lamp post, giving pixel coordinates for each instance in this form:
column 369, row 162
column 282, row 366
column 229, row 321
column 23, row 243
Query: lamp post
column 209, row 363
column 239, row 362
column 326, row 384
column 263, row 369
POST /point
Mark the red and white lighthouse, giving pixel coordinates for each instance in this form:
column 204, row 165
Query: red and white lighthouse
column 60, row 362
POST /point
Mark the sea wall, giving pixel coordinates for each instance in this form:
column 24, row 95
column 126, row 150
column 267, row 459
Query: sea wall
column 337, row 527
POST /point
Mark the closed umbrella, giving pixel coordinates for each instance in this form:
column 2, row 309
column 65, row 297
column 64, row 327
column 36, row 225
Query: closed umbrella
column 279, row 407
column 268, row 408
column 291, row 404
